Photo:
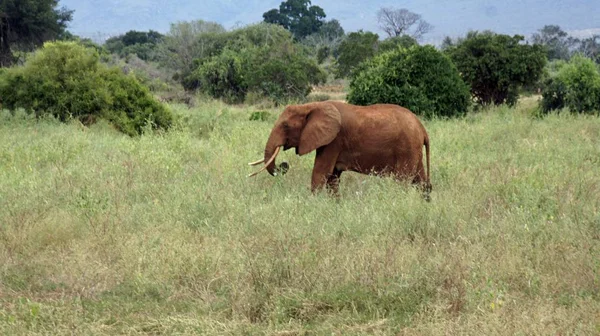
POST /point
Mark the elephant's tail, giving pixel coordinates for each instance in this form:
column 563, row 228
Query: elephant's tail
column 428, row 181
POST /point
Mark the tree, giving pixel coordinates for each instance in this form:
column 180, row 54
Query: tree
column 420, row 78
column 185, row 42
column 354, row 49
column 590, row 47
column 496, row 65
column 66, row 80
column 391, row 43
column 27, row 24
column 262, row 59
column 557, row 42
column 447, row 43
column 398, row 22
column 575, row 84
column 142, row 44
column 326, row 40
column 331, row 29
column 297, row 16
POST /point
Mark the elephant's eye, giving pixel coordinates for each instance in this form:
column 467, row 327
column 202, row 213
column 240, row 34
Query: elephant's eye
column 286, row 125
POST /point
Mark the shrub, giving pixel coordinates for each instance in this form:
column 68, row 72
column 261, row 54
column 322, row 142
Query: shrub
column 353, row 50
column 390, row 43
column 66, row 80
column 142, row 44
column 281, row 72
column 496, row 66
column 575, row 85
column 221, row 77
column 419, row 78
column 322, row 54
column 275, row 68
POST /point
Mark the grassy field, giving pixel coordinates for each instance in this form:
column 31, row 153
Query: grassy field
column 164, row 234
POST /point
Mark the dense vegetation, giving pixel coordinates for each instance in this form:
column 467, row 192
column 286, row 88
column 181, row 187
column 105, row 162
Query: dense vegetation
column 297, row 16
column 260, row 59
column 421, row 79
column 66, row 80
column 103, row 234
column 356, row 48
column 27, row 24
column 162, row 233
column 142, row 44
column 575, row 85
column 497, row 66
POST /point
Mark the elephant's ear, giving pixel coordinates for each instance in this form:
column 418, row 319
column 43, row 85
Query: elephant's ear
column 322, row 126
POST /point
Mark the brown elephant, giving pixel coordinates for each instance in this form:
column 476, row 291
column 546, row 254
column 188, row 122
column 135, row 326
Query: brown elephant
column 377, row 139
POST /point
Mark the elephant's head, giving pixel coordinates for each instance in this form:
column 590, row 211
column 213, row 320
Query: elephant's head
column 303, row 127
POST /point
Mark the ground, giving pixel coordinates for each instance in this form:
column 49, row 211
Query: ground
column 101, row 233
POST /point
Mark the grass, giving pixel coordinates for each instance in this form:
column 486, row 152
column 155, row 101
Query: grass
column 164, row 234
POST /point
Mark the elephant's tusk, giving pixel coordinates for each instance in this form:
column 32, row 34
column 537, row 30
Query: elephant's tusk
column 256, row 162
column 268, row 162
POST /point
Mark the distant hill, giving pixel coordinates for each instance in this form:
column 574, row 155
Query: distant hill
column 102, row 18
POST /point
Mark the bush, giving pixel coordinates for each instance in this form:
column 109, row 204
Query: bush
column 221, row 77
column 391, row 43
column 419, row 78
column 66, row 80
column 575, row 85
column 353, row 50
column 142, row 44
column 496, row 66
column 262, row 59
column 281, row 72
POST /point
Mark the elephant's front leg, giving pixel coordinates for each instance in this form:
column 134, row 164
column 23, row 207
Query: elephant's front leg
column 324, row 166
column 333, row 181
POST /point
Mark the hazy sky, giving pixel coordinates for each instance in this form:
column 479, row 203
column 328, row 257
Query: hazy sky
column 449, row 17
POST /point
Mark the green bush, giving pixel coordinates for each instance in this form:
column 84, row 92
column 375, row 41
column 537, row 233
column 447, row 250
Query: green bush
column 66, row 80
column 419, row 78
column 391, row 43
column 353, row 50
column 221, row 77
column 281, row 72
column 497, row 66
column 275, row 68
column 575, row 85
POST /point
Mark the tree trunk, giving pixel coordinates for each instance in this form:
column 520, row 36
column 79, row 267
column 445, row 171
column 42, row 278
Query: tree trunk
column 6, row 57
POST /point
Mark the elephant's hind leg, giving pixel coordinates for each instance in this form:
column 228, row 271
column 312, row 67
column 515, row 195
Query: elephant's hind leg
column 420, row 180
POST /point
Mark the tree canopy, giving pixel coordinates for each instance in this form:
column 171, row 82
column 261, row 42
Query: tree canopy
column 67, row 80
column 390, row 43
column 557, row 42
column 185, row 42
column 27, row 24
column 420, row 78
column 574, row 84
column 590, row 47
column 496, row 65
column 354, row 49
column 297, row 16
column 398, row 22
column 143, row 44
column 261, row 59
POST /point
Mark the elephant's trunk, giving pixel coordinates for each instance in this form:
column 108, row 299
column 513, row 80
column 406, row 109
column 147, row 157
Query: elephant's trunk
column 271, row 150
column 273, row 144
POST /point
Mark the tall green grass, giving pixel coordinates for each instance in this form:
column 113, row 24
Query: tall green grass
column 101, row 233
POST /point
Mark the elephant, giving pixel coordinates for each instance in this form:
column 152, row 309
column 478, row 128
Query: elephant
column 379, row 139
